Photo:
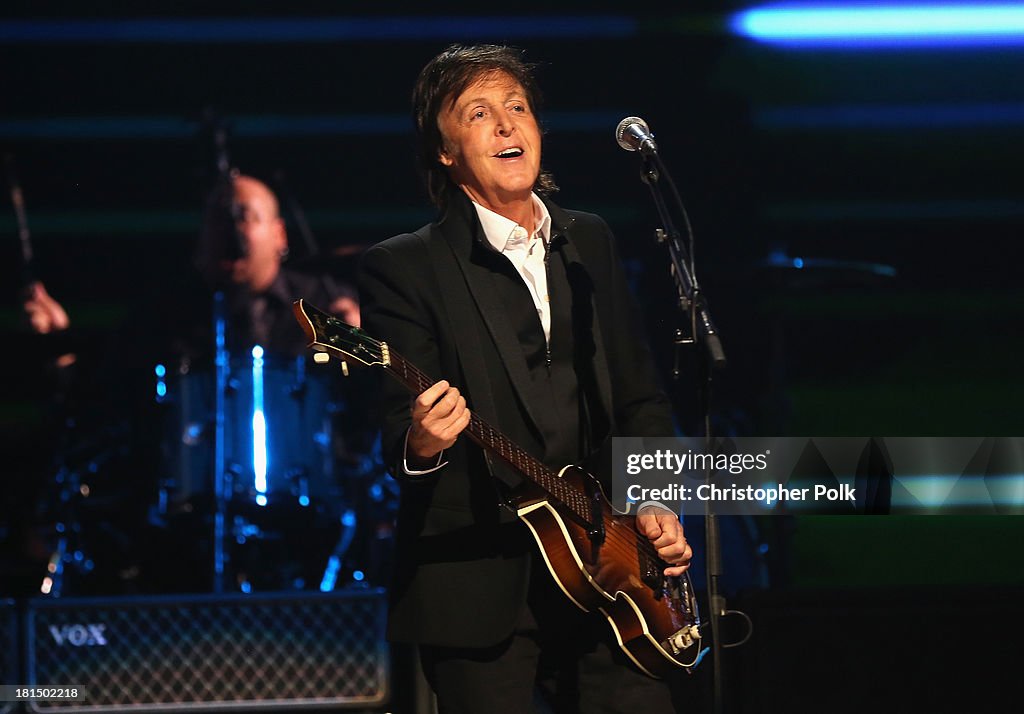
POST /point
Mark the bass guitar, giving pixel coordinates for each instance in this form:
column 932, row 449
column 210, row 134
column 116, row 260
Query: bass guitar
column 595, row 554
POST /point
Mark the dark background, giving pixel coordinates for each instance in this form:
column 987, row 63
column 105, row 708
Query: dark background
column 862, row 162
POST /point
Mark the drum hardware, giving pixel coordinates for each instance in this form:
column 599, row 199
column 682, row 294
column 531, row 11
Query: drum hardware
column 375, row 500
column 301, row 487
column 72, row 490
column 68, row 549
column 349, row 523
column 243, row 530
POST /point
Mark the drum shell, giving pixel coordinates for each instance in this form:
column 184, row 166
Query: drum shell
column 297, row 415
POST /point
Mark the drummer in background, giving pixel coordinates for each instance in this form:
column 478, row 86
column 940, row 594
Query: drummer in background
column 242, row 249
column 241, row 253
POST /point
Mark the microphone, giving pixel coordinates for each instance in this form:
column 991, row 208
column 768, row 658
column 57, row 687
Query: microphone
column 633, row 134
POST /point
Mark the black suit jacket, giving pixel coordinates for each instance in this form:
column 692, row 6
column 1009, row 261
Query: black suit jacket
column 462, row 561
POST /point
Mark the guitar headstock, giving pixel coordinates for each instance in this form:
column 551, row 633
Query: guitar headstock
column 330, row 336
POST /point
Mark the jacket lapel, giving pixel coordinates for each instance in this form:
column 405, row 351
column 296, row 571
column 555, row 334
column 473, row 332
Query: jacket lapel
column 461, row 232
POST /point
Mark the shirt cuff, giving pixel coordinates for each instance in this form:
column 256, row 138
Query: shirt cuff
column 413, row 472
column 655, row 504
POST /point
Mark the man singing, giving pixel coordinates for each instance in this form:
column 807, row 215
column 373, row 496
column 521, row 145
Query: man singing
column 524, row 307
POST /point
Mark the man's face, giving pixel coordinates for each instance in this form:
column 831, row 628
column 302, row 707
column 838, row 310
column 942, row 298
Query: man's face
column 261, row 231
column 491, row 141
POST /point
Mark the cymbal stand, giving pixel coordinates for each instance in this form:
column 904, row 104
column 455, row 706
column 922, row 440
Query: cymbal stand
column 69, row 489
column 220, row 485
column 68, row 550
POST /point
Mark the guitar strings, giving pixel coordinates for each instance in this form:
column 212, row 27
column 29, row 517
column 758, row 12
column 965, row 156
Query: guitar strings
column 415, row 380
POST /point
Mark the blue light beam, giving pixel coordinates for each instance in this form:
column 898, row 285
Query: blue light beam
column 884, row 24
column 259, row 429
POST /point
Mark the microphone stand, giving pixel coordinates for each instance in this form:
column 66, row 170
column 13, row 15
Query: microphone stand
column 710, row 356
column 224, row 191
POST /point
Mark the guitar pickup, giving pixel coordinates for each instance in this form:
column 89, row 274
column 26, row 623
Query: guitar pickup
column 596, row 529
column 650, row 572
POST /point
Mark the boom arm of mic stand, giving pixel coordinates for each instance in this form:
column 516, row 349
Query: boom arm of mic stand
column 691, row 299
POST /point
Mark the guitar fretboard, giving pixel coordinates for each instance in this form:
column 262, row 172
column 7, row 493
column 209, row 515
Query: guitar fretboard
column 500, row 445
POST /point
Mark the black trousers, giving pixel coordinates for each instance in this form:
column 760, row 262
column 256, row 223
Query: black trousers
column 559, row 659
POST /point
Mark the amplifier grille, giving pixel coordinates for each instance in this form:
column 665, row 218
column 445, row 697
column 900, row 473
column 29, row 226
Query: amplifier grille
column 217, row 652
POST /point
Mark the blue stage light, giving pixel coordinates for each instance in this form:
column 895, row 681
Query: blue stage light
column 259, row 429
column 161, row 385
column 883, row 24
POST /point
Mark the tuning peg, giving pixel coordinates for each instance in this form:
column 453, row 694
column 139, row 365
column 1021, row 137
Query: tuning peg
column 321, row 357
column 344, row 368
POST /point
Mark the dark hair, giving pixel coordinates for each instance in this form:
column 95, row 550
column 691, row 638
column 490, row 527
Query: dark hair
column 445, row 78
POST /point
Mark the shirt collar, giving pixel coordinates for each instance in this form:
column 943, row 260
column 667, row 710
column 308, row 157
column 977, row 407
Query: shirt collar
column 499, row 230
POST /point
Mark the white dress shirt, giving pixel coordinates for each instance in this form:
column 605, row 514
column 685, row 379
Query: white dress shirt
column 525, row 248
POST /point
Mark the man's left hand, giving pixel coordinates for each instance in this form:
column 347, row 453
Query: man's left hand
column 663, row 529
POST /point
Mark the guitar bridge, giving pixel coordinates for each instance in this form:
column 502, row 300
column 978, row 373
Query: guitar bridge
column 682, row 639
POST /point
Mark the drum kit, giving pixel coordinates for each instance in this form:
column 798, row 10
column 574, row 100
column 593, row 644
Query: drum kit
column 251, row 487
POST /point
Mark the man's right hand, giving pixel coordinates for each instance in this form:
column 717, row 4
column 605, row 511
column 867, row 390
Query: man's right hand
column 43, row 312
column 439, row 415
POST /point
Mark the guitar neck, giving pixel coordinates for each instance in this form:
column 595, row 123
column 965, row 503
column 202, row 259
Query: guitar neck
column 491, row 439
column 333, row 337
